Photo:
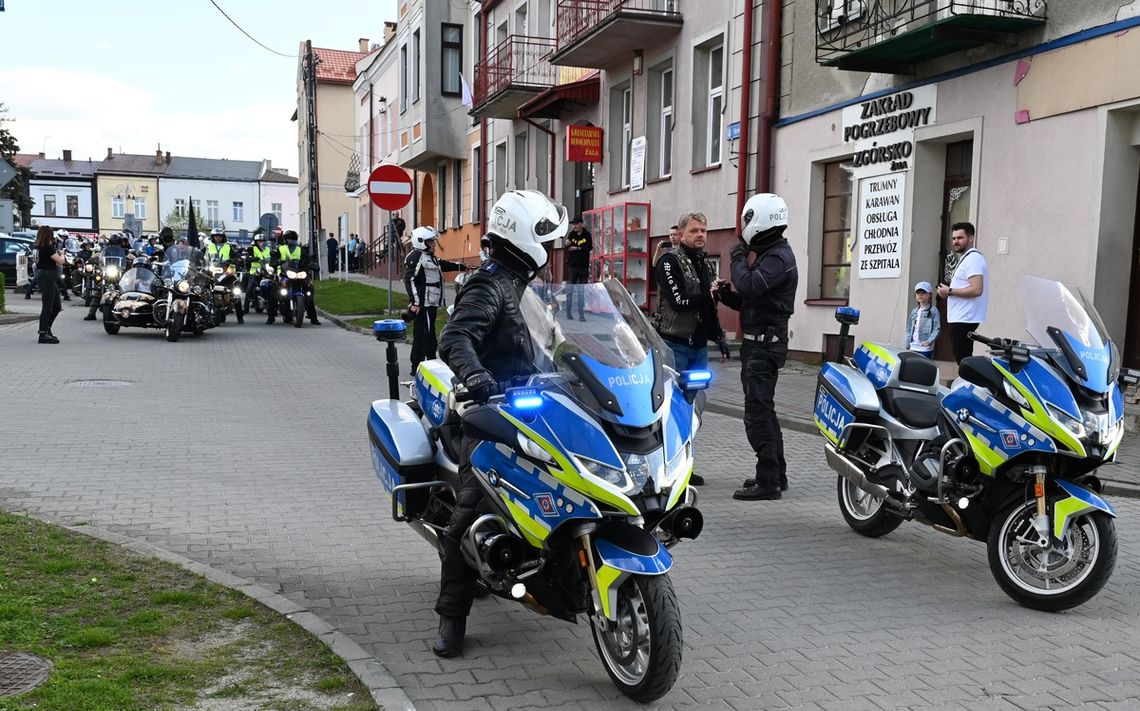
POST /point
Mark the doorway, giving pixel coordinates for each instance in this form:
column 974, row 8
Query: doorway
column 583, row 188
column 1132, row 330
column 427, row 201
column 955, row 208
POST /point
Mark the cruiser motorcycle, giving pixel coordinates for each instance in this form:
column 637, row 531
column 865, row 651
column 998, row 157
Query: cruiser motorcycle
column 585, row 470
column 226, row 294
column 1007, row 454
column 188, row 293
column 133, row 299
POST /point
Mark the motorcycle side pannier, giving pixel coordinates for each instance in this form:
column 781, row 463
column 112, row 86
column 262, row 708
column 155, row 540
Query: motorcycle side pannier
column 844, row 396
column 401, row 451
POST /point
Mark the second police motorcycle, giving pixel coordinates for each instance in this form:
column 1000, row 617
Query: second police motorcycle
column 1008, row 454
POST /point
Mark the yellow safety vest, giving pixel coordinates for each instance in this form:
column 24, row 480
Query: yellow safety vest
column 289, row 255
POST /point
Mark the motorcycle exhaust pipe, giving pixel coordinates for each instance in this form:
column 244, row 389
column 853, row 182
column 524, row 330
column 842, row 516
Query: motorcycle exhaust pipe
column 685, row 522
column 851, row 472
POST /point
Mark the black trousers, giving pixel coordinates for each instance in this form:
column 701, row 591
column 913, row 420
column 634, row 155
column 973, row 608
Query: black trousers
column 456, row 578
column 960, row 340
column 576, row 275
column 424, row 343
column 49, row 284
column 760, row 366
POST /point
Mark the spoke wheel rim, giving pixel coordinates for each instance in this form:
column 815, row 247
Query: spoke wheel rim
column 860, row 504
column 626, row 643
column 1054, row 570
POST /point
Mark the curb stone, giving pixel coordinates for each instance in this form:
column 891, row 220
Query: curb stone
column 381, row 685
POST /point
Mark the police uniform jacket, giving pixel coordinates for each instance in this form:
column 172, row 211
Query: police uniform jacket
column 766, row 291
column 423, row 277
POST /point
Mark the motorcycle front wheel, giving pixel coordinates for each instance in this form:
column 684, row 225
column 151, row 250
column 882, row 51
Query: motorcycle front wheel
column 174, row 327
column 298, row 310
column 642, row 650
column 864, row 512
column 1066, row 573
column 110, row 325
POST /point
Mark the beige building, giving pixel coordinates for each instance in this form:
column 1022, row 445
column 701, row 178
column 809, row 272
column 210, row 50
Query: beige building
column 126, row 186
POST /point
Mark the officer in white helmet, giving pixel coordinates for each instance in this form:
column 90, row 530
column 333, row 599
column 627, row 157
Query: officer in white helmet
column 423, row 279
column 764, row 280
column 487, row 345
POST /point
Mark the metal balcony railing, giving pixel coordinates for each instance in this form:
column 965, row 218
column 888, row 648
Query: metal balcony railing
column 845, row 26
column 518, row 61
column 578, row 17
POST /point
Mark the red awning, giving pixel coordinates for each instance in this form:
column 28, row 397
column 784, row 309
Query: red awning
column 551, row 102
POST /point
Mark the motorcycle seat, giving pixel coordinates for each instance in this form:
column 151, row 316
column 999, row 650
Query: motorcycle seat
column 913, row 409
column 915, row 369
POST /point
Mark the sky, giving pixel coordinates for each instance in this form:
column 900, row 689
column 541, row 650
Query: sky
column 86, row 75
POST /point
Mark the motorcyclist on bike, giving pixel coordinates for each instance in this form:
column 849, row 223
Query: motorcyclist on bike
column 259, row 254
column 292, row 251
column 117, row 247
column 218, row 249
column 487, row 345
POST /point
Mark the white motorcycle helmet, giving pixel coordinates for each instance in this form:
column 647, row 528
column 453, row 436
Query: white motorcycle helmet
column 422, row 235
column 525, row 220
column 761, row 213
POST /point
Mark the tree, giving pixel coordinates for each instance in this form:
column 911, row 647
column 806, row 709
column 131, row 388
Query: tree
column 17, row 190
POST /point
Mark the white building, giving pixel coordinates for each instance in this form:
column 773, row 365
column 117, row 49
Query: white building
column 64, row 193
column 225, row 193
column 277, row 194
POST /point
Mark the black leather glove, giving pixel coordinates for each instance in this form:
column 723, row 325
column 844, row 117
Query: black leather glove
column 724, row 352
column 481, row 386
column 740, row 251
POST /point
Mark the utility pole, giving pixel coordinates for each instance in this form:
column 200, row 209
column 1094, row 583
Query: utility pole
column 309, row 75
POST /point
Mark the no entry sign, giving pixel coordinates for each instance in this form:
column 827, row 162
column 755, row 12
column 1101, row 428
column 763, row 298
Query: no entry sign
column 390, row 187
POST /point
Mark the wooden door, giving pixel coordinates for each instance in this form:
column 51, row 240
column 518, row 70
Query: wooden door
column 1132, row 329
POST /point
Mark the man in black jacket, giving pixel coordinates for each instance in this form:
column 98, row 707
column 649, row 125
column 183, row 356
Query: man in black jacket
column 764, row 276
column 423, row 279
column 579, row 244
column 487, row 345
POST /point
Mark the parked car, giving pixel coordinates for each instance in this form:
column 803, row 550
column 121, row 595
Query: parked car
column 10, row 246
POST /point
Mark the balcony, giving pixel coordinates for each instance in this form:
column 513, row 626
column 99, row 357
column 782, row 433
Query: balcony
column 893, row 36
column 600, row 33
column 511, row 74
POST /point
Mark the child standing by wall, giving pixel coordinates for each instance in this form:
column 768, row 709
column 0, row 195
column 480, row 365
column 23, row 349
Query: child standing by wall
column 924, row 322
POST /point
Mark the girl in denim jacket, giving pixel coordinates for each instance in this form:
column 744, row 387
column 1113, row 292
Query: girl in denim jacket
column 924, row 322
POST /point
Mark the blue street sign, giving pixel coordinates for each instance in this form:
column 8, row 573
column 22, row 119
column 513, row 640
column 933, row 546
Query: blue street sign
column 734, row 131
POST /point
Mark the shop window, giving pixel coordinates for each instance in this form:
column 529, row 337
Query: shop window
column 835, row 254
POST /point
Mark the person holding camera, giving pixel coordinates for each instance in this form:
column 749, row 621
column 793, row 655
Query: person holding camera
column 423, row 280
column 763, row 289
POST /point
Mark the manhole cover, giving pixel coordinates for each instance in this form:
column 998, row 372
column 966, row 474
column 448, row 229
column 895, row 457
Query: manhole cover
column 99, row 383
column 21, row 672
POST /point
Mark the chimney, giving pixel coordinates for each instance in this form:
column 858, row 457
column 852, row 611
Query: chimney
column 158, row 157
column 389, row 31
column 66, row 156
column 110, row 153
column 42, row 155
column 363, row 44
column 168, row 157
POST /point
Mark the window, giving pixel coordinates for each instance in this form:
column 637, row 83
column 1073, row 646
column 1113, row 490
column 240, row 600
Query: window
column 621, row 134
column 117, row 209
column 451, row 57
column 197, row 206
column 659, row 129
column 276, row 210
column 73, row 206
column 239, row 212
column 835, row 257
column 665, row 128
column 441, row 182
column 522, row 165
column 415, row 66
column 500, row 168
column 211, row 213
column 626, row 134
column 476, row 184
column 49, row 205
column 457, row 193
column 542, row 158
column 708, row 103
column 403, row 78
column 179, row 207
column 140, row 208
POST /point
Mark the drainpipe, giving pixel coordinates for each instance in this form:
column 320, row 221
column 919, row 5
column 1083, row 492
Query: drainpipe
column 483, row 150
column 745, row 110
column 771, row 96
column 547, row 131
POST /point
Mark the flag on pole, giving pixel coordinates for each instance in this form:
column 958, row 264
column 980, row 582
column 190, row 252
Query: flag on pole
column 468, row 101
column 192, row 229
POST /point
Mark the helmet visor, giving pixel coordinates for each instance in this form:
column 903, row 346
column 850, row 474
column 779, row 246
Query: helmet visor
column 547, row 226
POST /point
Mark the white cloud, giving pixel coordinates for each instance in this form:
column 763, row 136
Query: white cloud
column 52, row 110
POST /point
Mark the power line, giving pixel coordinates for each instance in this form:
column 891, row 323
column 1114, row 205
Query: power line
column 281, row 54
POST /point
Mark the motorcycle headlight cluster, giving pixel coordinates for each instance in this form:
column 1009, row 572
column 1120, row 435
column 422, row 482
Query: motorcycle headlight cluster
column 237, row 291
column 230, row 269
column 183, row 287
column 296, row 275
column 607, row 474
column 111, row 272
column 638, row 470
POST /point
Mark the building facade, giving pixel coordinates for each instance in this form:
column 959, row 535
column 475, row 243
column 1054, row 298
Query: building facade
column 126, row 186
column 1010, row 116
column 64, row 193
column 224, row 193
column 277, row 194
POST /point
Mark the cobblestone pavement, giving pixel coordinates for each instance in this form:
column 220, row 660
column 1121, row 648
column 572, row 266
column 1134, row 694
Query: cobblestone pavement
column 245, row 449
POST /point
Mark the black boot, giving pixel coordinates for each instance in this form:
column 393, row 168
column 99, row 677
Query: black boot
column 46, row 337
column 451, row 633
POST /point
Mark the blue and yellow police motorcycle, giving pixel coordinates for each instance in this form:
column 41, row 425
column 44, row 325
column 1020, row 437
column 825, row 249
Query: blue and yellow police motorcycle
column 585, row 469
column 1008, row 454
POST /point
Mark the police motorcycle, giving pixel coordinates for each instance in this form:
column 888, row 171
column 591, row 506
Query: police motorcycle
column 135, row 299
column 294, row 285
column 226, row 292
column 187, row 290
column 1008, row 454
column 585, row 470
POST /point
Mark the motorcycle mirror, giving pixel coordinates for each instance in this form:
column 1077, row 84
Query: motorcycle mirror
column 1129, row 378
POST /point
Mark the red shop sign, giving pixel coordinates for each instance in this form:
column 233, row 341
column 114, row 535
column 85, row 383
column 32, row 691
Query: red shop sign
column 584, row 144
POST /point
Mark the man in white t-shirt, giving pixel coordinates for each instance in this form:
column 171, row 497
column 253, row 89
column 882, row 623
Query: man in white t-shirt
column 966, row 296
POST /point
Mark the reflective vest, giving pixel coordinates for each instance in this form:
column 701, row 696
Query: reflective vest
column 259, row 254
column 289, row 255
column 222, row 251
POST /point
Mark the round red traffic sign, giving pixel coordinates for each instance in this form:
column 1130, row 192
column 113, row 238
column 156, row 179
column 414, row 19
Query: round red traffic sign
column 390, row 187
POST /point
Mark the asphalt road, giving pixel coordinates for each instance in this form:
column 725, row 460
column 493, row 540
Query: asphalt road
column 245, row 449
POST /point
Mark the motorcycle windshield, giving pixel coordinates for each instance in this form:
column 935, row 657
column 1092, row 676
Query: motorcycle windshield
column 1070, row 329
column 181, row 259
column 613, row 360
column 138, row 279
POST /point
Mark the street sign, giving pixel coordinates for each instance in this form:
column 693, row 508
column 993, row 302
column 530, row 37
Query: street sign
column 7, row 217
column 268, row 222
column 7, row 172
column 390, row 187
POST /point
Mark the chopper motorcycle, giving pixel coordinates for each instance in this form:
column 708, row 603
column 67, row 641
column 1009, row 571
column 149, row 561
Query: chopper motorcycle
column 585, row 472
column 1007, row 454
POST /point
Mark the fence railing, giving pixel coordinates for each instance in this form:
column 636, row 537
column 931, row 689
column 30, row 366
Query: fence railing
column 843, row 26
column 577, row 17
column 518, row 60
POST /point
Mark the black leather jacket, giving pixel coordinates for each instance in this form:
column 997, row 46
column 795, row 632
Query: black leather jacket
column 765, row 292
column 486, row 332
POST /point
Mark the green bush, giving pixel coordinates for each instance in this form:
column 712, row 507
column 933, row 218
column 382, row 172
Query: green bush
column 2, row 287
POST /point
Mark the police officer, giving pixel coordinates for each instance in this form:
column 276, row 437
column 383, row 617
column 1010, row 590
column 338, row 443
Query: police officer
column 292, row 251
column 486, row 344
column 260, row 254
column 218, row 249
column 424, row 281
column 763, row 289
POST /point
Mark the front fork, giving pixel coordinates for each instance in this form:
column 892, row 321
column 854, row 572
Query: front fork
column 1041, row 520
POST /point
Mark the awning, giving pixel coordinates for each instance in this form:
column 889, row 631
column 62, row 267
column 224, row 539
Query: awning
column 551, row 102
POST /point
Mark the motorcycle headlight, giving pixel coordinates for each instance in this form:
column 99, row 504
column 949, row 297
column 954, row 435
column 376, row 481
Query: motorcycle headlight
column 639, row 468
column 300, row 275
column 284, row 292
column 230, row 269
column 237, row 291
column 292, row 274
column 1074, row 426
column 183, row 287
column 616, row 477
column 271, row 270
column 111, row 272
column 215, row 270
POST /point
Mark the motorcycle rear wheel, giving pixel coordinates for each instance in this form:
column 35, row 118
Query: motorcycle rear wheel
column 174, row 327
column 642, row 650
column 863, row 512
column 1068, row 573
